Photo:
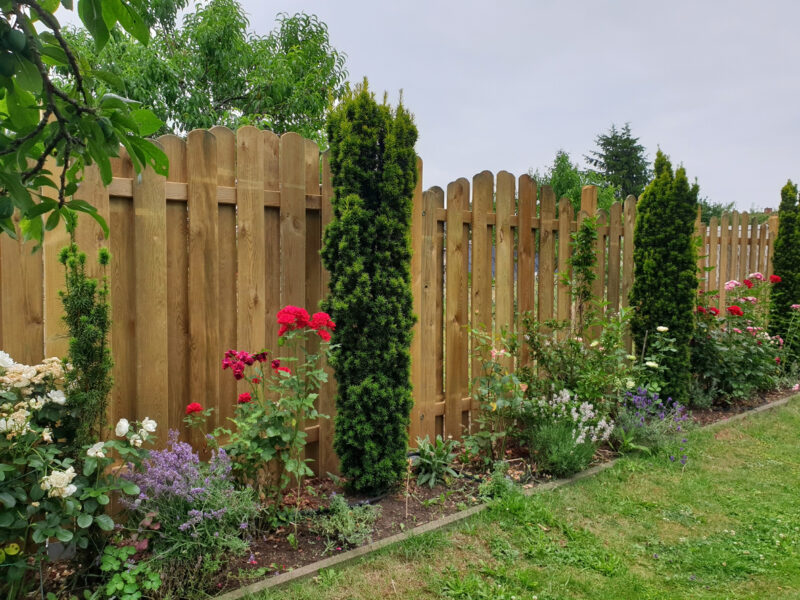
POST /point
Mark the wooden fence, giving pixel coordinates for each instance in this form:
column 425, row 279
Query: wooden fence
column 202, row 261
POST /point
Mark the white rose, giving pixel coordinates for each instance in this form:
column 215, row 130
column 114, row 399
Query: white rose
column 149, row 425
column 143, row 434
column 3, row 425
column 651, row 363
column 96, row 451
column 631, row 357
column 47, row 435
column 5, row 360
column 122, row 428
column 36, row 403
column 662, row 329
column 136, row 441
column 630, row 383
column 57, row 397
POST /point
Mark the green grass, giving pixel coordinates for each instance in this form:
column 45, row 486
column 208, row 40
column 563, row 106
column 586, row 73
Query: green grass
column 727, row 525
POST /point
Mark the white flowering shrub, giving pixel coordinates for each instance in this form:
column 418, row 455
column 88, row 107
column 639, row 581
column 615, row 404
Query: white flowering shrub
column 44, row 494
column 563, row 432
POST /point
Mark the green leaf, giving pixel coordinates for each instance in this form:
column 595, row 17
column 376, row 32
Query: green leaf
column 89, row 466
column 130, row 488
column 91, row 14
column 28, row 76
column 8, row 500
column 22, row 109
column 63, row 535
column 153, row 155
column 103, row 499
column 52, row 220
column 49, row 5
column 105, row 522
column 115, row 101
column 133, row 23
column 84, row 520
column 38, row 536
column 147, row 121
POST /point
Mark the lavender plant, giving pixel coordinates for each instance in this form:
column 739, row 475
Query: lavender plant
column 647, row 422
column 199, row 510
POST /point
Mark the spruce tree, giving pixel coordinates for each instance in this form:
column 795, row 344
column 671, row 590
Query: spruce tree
column 621, row 160
column 368, row 252
column 786, row 264
column 665, row 270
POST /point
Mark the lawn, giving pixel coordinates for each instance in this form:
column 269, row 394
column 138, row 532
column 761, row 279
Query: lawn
column 727, row 525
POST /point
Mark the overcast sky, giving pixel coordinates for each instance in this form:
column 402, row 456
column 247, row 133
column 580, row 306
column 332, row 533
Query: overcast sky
column 505, row 84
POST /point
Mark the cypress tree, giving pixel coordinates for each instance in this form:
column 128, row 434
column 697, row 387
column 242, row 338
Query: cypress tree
column 368, row 252
column 665, row 275
column 786, row 264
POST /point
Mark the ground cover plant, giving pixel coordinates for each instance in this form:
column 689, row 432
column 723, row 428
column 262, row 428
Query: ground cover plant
column 725, row 525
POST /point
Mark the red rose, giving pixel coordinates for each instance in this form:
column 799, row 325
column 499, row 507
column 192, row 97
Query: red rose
column 774, row 279
column 714, row 311
column 322, row 320
column 736, row 311
column 284, row 369
column 748, row 283
column 701, row 310
column 256, row 380
column 193, row 408
column 261, row 357
column 276, row 363
column 292, row 317
column 244, row 398
column 325, row 335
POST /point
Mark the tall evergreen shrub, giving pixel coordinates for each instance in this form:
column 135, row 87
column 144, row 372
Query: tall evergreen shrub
column 786, row 264
column 88, row 320
column 665, row 271
column 367, row 251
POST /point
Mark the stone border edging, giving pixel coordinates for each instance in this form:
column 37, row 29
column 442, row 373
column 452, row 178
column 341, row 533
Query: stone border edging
column 448, row 521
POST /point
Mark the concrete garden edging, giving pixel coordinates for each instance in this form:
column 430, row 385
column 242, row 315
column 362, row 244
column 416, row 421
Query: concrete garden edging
column 448, row 521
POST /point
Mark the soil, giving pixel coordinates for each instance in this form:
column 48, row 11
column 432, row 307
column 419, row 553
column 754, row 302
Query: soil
column 403, row 509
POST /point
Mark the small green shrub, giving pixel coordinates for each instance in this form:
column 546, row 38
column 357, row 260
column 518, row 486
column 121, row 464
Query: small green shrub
column 498, row 485
column 554, row 448
column 87, row 315
column 345, row 526
column 433, row 459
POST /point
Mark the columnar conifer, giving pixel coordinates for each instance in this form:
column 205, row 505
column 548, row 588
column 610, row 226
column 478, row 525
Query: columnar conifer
column 665, row 281
column 367, row 251
column 786, row 265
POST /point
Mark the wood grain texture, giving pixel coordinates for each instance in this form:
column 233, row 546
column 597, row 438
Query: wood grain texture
column 272, row 241
column 178, row 287
column 712, row 278
column 565, row 218
column 724, row 257
column 526, row 263
column 430, row 316
column 152, row 332
column 614, row 258
column 21, row 300
column 203, row 283
column 547, row 256
column 772, row 223
column 227, row 261
column 504, row 257
column 417, row 210
column 457, row 319
column 744, row 259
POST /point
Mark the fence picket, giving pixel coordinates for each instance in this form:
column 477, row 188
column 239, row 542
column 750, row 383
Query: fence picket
column 526, row 265
column 457, row 384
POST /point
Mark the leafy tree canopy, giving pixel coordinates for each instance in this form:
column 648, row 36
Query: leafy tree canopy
column 622, row 160
column 567, row 180
column 211, row 70
column 50, row 129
